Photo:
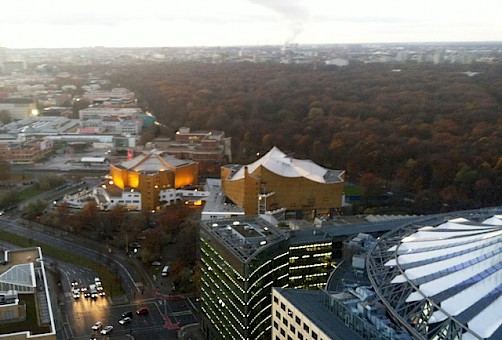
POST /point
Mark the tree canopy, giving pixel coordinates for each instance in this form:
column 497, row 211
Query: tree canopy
column 416, row 127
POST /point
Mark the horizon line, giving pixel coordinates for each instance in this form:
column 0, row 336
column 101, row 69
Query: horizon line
column 264, row 45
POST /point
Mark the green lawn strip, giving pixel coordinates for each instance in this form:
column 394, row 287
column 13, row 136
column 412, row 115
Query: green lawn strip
column 30, row 192
column 110, row 280
column 352, row 190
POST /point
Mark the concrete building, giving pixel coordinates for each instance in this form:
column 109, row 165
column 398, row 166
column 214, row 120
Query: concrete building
column 101, row 112
column 17, row 110
column 25, row 304
column 211, row 149
column 115, row 96
column 26, row 152
column 277, row 182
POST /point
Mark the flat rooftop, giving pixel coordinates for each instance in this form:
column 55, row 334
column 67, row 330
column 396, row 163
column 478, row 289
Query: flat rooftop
column 309, row 302
column 19, row 257
column 243, row 236
column 216, row 206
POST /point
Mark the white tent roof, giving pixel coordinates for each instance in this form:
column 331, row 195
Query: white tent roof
column 458, row 265
column 279, row 163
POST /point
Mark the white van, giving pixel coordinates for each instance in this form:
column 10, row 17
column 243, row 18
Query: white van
column 165, row 271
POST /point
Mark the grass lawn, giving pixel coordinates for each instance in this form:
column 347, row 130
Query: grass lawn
column 352, row 190
column 29, row 192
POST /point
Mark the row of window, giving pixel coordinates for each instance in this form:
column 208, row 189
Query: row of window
column 292, row 328
column 127, row 201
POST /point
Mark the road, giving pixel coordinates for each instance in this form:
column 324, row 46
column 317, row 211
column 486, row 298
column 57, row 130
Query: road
column 128, row 275
column 76, row 316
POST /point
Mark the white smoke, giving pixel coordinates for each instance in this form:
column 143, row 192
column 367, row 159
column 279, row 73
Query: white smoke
column 292, row 12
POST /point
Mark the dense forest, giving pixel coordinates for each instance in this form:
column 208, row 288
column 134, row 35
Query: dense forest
column 429, row 132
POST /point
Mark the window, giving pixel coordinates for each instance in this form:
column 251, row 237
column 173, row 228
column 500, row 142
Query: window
column 290, row 313
column 283, row 306
column 300, row 336
column 9, row 314
column 306, row 328
column 276, row 300
column 276, row 325
column 283, row 332
column 284, row 321
column 277, row 314
column 290, row 338
column 314, row 335
column 292, row 328
column 298, row 321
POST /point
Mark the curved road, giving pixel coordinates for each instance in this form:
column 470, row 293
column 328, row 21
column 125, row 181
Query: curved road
column 130, row 272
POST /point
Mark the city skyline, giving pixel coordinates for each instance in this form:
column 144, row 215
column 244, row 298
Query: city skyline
column 154, row 23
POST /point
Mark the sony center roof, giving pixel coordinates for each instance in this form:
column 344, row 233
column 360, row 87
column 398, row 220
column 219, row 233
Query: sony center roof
column 443, row 281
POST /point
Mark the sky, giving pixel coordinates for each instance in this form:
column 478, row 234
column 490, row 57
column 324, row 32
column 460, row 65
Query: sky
column 170, row 23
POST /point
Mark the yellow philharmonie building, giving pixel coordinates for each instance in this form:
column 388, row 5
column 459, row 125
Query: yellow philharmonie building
column 278, row 182
column 151, row 175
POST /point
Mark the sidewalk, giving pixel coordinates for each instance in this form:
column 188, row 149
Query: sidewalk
column 191, row 332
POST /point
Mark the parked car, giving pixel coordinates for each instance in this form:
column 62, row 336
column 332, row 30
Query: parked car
column 97, row 326
column 125, row 320
column 142, row 311
column 107, row 330
column 127, row 314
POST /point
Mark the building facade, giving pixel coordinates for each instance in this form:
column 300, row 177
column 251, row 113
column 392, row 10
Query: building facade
column 26, row 152
column 277, row 182
column 242, row 259
column 149, row 174
column 435, row 277
column 17, row 111
column 211, row 149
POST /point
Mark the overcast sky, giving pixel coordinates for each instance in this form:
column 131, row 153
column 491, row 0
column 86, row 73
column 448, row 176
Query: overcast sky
column 132, row 23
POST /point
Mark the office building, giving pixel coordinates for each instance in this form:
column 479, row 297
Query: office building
column 242, row 259
column 211, row 149
column 27, row 152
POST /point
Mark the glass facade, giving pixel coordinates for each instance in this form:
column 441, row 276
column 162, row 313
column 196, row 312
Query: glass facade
column 236, row 285
column 19, row 278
